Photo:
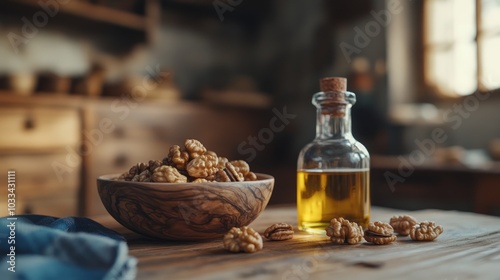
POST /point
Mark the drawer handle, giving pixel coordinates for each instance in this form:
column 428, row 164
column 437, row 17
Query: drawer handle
column 29, row 122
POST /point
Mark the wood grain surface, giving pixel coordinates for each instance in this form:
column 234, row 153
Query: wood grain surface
column 185, row 211
column 469, row 248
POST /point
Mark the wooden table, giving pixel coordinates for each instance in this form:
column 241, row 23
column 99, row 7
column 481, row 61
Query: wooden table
column 469, row 248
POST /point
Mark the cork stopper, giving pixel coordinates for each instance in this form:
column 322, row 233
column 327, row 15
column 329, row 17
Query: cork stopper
column 333, row 84
column 334, row 90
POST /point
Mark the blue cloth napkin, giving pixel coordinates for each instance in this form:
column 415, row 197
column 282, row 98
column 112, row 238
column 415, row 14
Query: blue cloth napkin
column 43, row 247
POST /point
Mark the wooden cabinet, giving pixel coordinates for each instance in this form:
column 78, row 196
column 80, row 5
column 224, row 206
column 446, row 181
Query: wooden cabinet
column 437, row 186
column 35, row 143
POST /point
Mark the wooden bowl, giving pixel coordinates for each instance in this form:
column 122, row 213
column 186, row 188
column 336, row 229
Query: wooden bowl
column 184, row 211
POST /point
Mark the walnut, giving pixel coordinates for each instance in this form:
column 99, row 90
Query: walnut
column 243, row 239
column 122, row 177
column 145, row 176
column 251, row 177
column 233, row 173
column 402, row 224
column 221, row 176
column 342, row 231
column 228, row 174
column 134, row 170
column 242, row 166
column 200, row 180
column 425, row 231
column 153, row 164
column 176, row 158
column 203, row 166
column 167, row 174
column 222, row 163
column 194, row 148
column 280, row 231
column 380, row 233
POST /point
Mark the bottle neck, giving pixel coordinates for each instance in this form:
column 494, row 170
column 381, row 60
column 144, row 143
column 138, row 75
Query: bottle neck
column 334, row 123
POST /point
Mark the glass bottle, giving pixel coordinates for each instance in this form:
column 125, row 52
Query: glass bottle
column 333, row 171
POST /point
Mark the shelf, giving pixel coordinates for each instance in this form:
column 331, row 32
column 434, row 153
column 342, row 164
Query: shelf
column 60, row 100
column 97, row 13
column 45, row 99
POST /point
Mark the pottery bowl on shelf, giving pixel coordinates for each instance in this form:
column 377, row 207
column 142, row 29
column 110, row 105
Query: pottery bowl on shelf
column 184, row 211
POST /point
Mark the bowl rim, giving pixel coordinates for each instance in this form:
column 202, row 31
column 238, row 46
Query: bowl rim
column 262, row 177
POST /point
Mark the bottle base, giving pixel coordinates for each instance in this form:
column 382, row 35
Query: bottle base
column 314, row 228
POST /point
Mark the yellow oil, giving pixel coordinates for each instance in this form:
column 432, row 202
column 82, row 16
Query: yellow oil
column 326, row 194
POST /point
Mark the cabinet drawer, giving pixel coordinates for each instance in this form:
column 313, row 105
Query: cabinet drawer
column 62, row 205
column 38, row 183
column 38, row 128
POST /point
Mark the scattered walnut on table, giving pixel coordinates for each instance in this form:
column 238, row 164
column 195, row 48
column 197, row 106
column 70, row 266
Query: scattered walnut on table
column 342, row 231
column 380, row 233
column 204, row 165
column 243, row 239
column 279, row 232
column 425, row 231
column 402, row 224
column 167, row 174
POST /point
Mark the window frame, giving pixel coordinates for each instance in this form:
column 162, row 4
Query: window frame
column 479, row 38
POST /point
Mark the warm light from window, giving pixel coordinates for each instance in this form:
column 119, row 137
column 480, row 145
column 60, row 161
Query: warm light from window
column 451, row 49
column 460, row 55
column 490, row 46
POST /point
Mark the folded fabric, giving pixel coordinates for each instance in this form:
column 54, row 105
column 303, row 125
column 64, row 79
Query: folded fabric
column 44, row 247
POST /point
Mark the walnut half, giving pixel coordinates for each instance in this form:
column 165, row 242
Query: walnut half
column 402, row 224
column 243, row 239
column 342, row 231
column 425, row 231
column 280, row 231
column 380, row 233
column 204, row 165
column 167, row 174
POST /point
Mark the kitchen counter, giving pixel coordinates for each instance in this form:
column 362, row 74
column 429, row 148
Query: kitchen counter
column 469, row 248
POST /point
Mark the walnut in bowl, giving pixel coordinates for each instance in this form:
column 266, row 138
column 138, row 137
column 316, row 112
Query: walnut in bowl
column 184, row 210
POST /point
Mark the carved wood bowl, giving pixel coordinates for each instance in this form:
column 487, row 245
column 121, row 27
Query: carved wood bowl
column 184, row 211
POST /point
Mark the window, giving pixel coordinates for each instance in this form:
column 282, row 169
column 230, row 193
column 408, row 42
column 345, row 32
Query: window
column 462, row 45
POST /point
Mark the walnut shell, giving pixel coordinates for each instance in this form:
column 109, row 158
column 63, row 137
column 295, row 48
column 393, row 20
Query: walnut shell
column 425, row 231
column 342, row 231
column 243, row 239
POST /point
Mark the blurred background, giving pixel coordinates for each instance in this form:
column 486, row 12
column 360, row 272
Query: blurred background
column 92, row 87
